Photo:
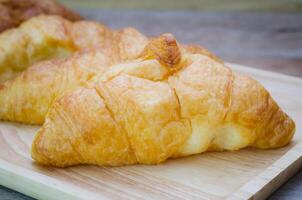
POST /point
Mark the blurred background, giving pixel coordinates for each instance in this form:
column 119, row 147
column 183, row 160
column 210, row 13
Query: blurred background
column 265, row 34
column 219, row 5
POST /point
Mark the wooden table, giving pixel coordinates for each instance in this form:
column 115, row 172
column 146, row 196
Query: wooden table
column 270, row 41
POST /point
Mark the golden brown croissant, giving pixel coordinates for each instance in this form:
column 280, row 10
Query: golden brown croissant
column 46, row 37
column 167, row 103
column 40, row 84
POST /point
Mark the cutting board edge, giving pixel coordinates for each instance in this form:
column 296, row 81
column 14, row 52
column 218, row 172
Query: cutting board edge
column 11, row 176
column 272, row 178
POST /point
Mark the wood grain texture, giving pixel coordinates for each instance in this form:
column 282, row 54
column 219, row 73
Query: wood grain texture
column 271, row 41
column 244, row 174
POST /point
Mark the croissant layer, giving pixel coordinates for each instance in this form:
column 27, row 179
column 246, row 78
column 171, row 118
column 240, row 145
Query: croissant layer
column 46, row 37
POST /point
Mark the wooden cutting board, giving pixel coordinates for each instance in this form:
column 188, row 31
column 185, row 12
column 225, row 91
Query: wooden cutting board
column 244, row 174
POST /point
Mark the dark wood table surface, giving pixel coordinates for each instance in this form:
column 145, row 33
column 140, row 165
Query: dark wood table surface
column 270, row 41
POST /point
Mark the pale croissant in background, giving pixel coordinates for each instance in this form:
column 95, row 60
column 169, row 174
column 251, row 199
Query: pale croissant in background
column 167, row 103
column 45, row 37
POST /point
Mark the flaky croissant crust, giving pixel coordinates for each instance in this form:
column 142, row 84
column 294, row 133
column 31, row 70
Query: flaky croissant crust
column 169, row 102
column 46, row 37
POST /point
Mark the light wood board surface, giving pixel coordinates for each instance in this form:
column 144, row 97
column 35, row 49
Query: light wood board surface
column 243, row 174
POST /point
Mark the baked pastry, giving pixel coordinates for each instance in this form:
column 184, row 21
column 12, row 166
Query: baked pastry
column 166, row 103
column 14, row 12
column 47, row 37
column 45, row 81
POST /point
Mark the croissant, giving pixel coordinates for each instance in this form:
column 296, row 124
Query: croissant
column 46, row 37
column 28, row 97
column 169, row 102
